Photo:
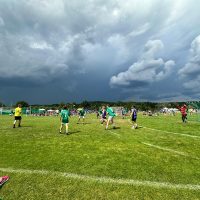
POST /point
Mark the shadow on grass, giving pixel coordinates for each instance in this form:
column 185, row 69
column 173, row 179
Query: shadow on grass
column 73, row 132
column 113, row 128
column 84, row 123
column 70, row 133
column 25, row 127
column 139, row 127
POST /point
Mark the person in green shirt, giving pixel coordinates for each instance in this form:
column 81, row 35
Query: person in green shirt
column 111, row 115
column 64, row 118
column 81, row 114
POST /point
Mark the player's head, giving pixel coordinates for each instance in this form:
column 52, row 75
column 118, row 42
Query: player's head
column 65, row 107
column 184, row 105
column 107, row 105
column 103, row 107
column 19, row 105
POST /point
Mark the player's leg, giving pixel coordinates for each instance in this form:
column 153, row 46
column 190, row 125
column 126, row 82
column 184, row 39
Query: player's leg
column 14, row 123
column 19, row 124
column 183, row 118
column 79, row 118
column 107, row 124
column 67, row 127
column 83, row 119
column 134, row 124
column 61, row 126
column 112, row 122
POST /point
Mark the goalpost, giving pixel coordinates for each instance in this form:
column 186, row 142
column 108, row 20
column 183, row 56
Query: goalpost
column 6, row 111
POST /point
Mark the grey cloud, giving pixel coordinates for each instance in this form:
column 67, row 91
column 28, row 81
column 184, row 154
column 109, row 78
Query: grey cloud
column 190, row 73
column 147, row 69
column 57, row 41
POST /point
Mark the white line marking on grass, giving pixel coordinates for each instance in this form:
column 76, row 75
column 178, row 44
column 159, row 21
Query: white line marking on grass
column 105, row 179
column 170, row 150
column 118, row 135
column 186, row 135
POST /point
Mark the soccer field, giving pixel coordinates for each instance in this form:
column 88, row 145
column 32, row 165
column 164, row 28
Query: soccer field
column 159, row 160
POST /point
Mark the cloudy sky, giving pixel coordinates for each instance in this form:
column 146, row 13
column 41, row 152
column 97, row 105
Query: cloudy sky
column 61, row 50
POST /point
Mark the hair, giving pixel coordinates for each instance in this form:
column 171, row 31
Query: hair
column 19, row 105
column 65, row 107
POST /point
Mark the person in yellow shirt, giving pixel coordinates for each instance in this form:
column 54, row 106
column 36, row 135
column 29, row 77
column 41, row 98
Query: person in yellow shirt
column 18, row 115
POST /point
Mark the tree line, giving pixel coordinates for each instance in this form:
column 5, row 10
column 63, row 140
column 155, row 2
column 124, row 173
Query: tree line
column 95, row 105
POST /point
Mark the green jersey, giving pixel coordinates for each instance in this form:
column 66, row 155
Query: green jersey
column 110, row 112
column 65, row 116
column 82, row 112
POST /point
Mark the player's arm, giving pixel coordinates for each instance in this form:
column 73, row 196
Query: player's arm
column 61, row 116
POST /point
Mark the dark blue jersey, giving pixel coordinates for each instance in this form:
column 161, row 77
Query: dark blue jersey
column 134, row 113
column 104, row 114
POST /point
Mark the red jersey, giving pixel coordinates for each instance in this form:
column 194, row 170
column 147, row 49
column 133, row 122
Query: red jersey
column 183, row 110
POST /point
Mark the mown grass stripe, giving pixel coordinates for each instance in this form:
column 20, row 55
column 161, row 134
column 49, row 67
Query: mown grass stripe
column 105, row 179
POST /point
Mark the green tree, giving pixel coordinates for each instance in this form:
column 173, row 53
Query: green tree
column 23, row 103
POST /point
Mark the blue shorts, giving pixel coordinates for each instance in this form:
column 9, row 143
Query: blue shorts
column 134, row 119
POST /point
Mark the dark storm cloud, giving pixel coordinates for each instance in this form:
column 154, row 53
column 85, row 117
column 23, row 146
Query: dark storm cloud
column 18, row 82
column 54, row 48
column 190, row 73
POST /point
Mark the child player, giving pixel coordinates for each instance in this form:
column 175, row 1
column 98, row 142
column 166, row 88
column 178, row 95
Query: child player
column 81, row 115
column 111, row 115
column 183, row 110
column 134, row 118
column 64, row 118
column 103, row 115
column 18, row 115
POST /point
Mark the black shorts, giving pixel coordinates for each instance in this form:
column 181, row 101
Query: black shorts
column 134, row 119
column 18, row 117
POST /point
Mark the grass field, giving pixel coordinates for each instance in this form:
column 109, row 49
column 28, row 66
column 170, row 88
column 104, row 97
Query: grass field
column 160, row 160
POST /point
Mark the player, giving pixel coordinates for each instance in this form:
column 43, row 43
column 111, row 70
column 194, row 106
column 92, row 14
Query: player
column 134, row 118
column 3, row 180
column 183, row 110
column 97, row 114
column 111, row 115
column 64, row 118
column 103, row 115
column 123, row 113
column 81, row 115
column 18, row 116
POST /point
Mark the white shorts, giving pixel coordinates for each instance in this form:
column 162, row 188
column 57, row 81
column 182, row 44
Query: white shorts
column 110, row 118
column 63, row 123
column 81, row 117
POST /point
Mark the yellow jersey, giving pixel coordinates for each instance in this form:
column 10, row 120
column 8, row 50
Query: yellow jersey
column 18, row 112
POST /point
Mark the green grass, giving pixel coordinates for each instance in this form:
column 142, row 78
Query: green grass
column 92, row 151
